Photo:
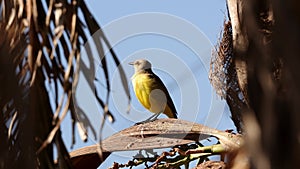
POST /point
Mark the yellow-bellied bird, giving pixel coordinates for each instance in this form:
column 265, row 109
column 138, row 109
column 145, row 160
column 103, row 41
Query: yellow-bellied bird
column 150, row 90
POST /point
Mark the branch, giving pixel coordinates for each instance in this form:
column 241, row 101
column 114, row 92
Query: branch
column 162, row 133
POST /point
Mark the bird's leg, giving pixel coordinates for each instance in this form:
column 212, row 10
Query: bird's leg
column 150, row 119
column 153, row 117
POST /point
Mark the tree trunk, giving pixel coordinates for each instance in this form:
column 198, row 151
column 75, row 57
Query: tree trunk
column 265, row 45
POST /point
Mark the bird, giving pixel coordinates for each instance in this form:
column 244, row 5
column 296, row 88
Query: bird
column 151, row 91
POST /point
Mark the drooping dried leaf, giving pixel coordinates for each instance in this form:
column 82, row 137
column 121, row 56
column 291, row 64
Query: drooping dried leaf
column 40, row 54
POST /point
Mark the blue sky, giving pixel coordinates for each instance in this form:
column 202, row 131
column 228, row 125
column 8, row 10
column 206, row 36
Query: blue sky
column 179, row 54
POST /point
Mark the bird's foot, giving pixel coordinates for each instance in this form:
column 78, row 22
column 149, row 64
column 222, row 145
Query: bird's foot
column 145, row 121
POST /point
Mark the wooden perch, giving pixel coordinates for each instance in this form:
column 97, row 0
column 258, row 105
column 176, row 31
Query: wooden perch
column 161, row 133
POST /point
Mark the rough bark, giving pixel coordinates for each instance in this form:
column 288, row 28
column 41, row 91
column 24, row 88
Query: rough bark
column 266, row 37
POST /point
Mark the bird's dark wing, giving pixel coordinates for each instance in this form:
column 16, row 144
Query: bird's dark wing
column 162, row 87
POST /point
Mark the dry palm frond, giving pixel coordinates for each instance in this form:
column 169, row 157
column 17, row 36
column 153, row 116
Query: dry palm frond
column 223, row 76
column 182, row 136
column 39, row 56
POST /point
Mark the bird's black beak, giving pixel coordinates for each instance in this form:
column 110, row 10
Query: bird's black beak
column 131, row 63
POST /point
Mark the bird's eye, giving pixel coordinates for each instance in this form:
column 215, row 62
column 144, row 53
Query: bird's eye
column 138, row 63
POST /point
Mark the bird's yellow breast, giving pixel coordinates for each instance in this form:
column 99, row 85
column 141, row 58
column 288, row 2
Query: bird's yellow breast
column 142, row 85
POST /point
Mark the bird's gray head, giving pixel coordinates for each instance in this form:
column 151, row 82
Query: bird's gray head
column 141, row 65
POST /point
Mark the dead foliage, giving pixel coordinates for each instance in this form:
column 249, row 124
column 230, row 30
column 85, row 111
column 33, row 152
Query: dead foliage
column 40, row 57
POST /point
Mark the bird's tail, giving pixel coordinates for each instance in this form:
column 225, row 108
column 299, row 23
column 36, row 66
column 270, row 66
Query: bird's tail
column 170, row 113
